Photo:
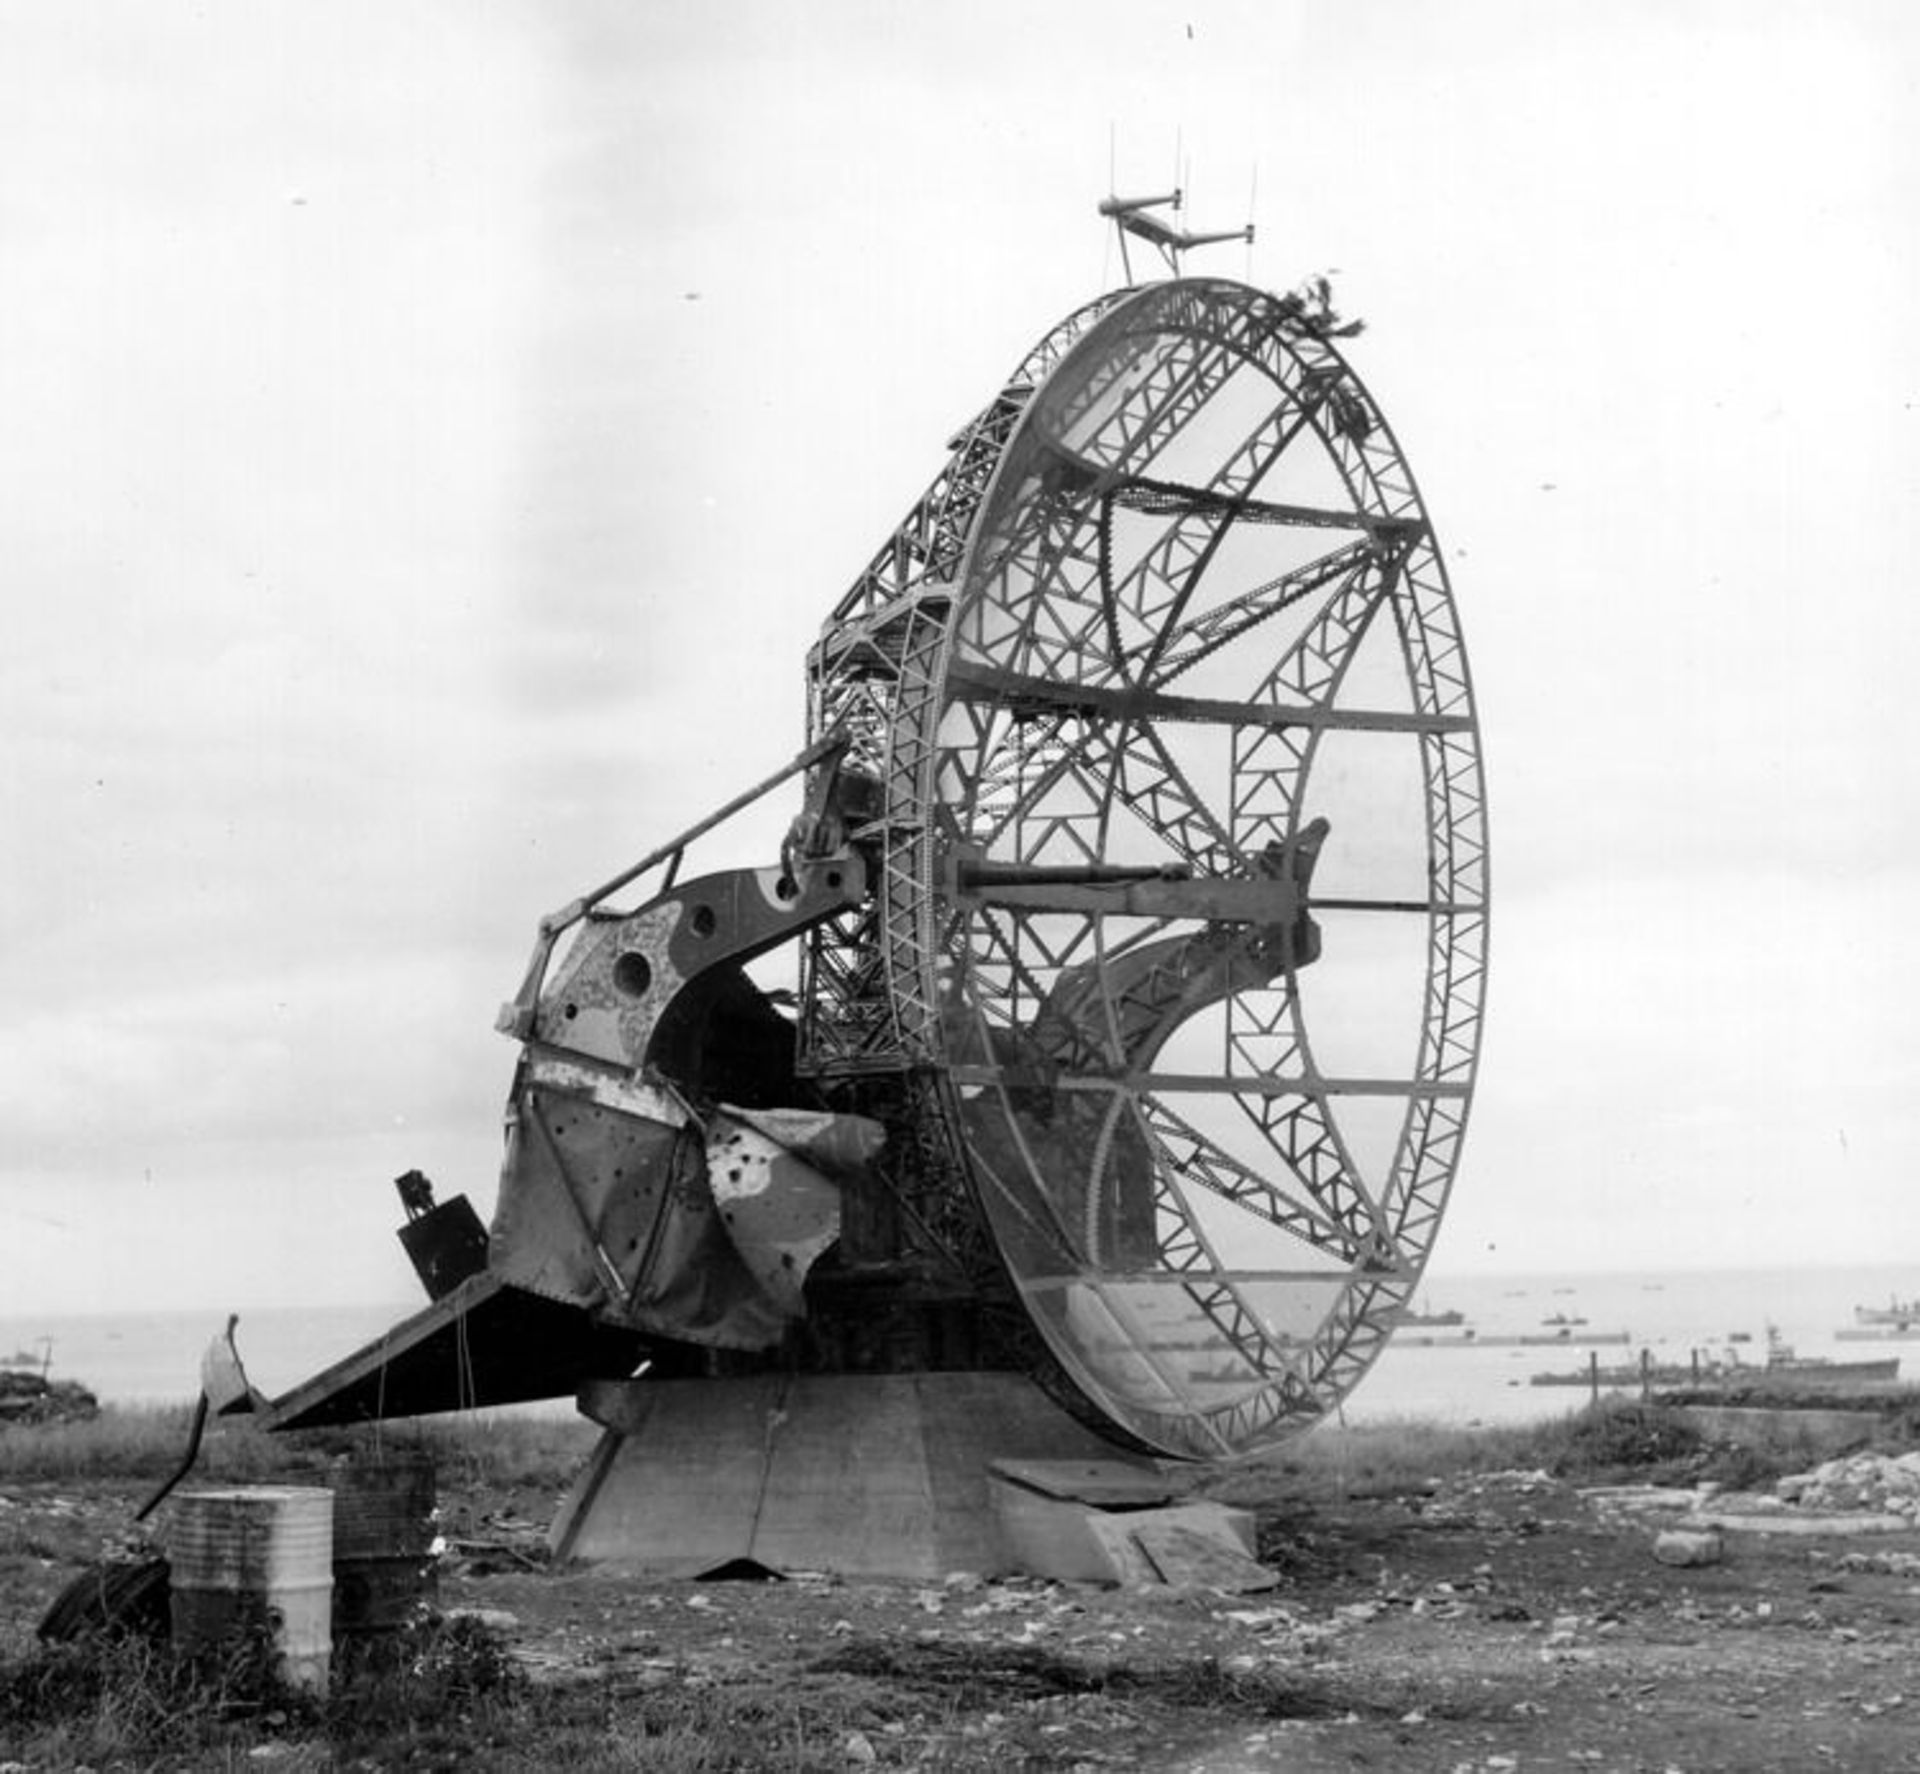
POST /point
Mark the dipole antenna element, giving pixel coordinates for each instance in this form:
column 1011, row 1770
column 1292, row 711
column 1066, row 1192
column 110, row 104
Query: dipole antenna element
column 1133, row 215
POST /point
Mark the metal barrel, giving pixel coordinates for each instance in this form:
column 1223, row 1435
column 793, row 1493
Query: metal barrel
column 257, row 1558
column 383, row 1532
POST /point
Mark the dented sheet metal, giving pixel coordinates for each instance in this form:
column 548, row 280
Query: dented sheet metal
column 615, row 1198
column 779, row 1210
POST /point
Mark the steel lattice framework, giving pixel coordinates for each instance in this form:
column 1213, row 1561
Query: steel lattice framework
column 1167, row 644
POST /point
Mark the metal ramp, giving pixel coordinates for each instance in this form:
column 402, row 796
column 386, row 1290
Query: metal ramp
column 483, row 1343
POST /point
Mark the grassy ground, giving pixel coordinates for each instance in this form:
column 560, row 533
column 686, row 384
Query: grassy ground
column 449, row 1696
column 147, row 1442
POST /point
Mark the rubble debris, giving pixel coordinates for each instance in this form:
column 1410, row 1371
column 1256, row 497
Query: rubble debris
column 1689, row 1546
column 1886, row 1483
column 33, row 1398
column 1887, row 1564
column 1109, row 1521
column 1863, row 1493
column 127, row 1594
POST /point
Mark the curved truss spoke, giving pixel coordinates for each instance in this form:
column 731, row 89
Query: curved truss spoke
column 1174, row 373
column 1020, row 762
column 1270, row 764
column 1312, row 669
column 1132, row 756
column 1178, row 561
column 1321, row 1216
column 1021, row 776
column 1200, row 636
column 1102, row 757
column 1028, row 696
column 1199, row 516
column 1160, row 498
column 1263, row 1034
column 1307, row 1138
column 1208, row 1282
column 1158, row 790
column 1007, row 942
column 1102, row 1079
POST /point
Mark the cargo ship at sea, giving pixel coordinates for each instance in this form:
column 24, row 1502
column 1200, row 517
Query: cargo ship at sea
column 1784, row 1370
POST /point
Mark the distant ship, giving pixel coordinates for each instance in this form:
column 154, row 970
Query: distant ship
column 1896, row 1312
column 1801, row 1373
column 1783, row 1369
column 1782, row 1361
column 1432, row 1320
column 1566, row 1337
column 1561, row 1321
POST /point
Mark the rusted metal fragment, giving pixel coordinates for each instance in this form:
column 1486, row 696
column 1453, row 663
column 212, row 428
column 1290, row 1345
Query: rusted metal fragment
column 615, row 1199
column 779, row 1210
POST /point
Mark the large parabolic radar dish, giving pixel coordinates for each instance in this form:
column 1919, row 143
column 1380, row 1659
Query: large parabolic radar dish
column 1182, row 895
column 1139, row 890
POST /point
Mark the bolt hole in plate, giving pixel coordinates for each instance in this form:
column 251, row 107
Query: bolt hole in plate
column 1199, row 609
column 633, row 974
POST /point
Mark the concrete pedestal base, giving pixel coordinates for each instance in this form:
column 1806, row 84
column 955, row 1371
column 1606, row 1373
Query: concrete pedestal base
column 857, row 1474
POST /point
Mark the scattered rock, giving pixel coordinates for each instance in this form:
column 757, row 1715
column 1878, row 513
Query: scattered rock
column 493, row 1619
column 1878, row 1483
column 1892, row 1564
column 1689, row 1546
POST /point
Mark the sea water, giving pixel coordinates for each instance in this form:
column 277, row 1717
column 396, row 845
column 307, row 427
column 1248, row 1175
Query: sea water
column 1718, row 1313
column 143, row 1358
column 154, row 1357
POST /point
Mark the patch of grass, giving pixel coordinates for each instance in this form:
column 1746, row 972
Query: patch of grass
column 446, row 1697
column 1640, row 1438
column 1335, row 1462
column 147, row 1442
column 976, row 1677
column 121, row 1442
column 1766, row 1453
column 103, row 1698
column 1002, row 1677
column 113, row 1698
column 1658, row 1442
column 511, row 1452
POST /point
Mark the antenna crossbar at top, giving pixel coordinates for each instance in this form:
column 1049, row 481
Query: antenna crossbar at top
column 1133, row 215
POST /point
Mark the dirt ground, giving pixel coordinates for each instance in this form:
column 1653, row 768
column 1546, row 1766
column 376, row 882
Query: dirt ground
column 1509, row 1621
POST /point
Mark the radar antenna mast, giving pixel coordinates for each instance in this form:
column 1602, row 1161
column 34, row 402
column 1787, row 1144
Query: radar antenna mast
column 1132, row 215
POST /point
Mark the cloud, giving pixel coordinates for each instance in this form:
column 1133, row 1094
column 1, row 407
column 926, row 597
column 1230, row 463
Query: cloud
column 394, row 550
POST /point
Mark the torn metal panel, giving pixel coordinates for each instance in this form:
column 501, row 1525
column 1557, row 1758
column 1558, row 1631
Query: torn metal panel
column 615, row 1199
column 779, row 1211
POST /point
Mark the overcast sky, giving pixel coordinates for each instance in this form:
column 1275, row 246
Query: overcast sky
column 434, row 433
